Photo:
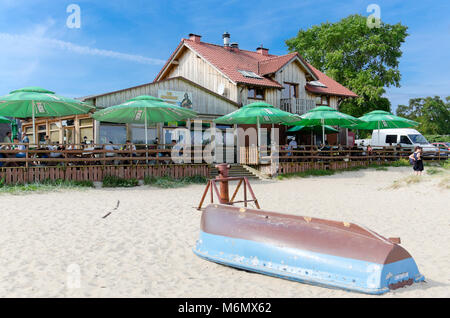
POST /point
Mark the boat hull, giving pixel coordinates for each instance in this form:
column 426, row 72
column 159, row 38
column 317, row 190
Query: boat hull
column 275, row 244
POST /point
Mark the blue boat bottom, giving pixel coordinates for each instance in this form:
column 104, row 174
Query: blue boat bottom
column 306, row 266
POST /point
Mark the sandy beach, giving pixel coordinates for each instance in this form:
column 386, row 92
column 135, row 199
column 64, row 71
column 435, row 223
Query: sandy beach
column 144, row 248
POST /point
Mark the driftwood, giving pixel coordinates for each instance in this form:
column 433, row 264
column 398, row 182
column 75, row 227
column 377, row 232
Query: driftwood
column 117, row 206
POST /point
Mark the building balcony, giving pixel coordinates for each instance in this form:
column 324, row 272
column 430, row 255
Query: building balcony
column 297, row 105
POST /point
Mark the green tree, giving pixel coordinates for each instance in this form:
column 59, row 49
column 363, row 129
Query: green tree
column 361, row 58
column 432, row 113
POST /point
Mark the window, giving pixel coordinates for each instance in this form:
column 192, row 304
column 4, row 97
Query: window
column 405, row 140
column 418, row 139
column 323, row 100
column 391, row 139
column 290, row 90
column 117, row 133
column 256, row 93
column 250, row 74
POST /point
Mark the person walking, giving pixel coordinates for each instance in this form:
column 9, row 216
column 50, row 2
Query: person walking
column 417, row 160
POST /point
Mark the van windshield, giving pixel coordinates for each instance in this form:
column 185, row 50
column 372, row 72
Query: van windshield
column 418, row 139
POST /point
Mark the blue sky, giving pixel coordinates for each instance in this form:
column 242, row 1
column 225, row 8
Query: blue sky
column 122, row 43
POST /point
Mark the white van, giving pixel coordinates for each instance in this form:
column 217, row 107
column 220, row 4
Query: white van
column 408, row 138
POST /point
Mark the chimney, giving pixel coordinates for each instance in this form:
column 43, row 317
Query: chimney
column 234, row 47
column 262, row 51
column 194, row 37
column 226, row 39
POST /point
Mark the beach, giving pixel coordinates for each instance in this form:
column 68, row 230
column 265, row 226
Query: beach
column 59, row 244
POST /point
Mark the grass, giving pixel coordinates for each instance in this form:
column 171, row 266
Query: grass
column 322, row 172
column 168, row 182
column 44, row 186
column 115, row 182
column 445, row 183
column 406, row 181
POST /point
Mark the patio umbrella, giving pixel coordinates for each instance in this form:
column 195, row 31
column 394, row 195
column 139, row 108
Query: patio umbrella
column 380, row 119
column 315, row 129
column 4, row 120
column 38, row 102
column 258, row 113
column 312, row 130
column 324, row 115
column 143, row 110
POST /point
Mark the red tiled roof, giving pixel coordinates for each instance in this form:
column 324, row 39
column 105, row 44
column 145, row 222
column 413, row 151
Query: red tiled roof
column 332, row 87
column 229, row 62
column 273, row 64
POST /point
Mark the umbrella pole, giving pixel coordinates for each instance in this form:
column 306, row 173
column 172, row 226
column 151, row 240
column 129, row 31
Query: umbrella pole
column 323, row 131
column 378, row 133
column 34, row 123
column 146, row 138
column 258, row 127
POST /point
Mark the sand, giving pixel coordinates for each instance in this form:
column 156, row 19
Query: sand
column 57, row 244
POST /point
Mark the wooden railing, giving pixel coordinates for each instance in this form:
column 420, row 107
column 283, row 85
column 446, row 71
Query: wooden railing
column 162, row 154
column 314, row 154
column 297, row 105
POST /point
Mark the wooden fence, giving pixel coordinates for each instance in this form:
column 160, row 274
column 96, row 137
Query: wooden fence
column 21, row 175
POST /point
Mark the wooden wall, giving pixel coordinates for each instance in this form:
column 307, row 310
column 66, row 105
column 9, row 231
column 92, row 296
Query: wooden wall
column 196, row 69
column 203, row 101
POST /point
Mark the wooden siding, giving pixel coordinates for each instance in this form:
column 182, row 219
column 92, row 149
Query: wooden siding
column 203, row 101
column 195, row 68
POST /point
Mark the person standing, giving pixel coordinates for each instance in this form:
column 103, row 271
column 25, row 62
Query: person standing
column 7, row 139
column 417, row 159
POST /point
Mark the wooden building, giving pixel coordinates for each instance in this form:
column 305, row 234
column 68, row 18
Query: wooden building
column 213, row 80
column 62, row 130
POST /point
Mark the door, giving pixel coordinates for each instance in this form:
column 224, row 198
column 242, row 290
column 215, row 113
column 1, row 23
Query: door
column 69, row 135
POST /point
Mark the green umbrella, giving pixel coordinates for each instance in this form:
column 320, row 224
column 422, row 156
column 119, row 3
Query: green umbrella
column 316, row 129
column 313, row 129
column 324, row 115
column 380, row 119
column 258, row 113
column 4, row 120
column 143, row 110
column 38, row 102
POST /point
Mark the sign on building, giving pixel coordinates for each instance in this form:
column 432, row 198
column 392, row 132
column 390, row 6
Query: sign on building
column 183, row 99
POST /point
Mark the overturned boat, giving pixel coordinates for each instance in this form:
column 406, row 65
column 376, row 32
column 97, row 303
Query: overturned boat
column 305, row 249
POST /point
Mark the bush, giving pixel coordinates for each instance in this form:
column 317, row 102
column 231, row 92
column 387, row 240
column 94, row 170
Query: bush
column 114, row 182
column 438, row 138
column 167, row 182
column 308, row 173
column 45, row 185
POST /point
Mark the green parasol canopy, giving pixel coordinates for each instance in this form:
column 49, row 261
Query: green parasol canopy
column 143, row 110
column 4, row 120
column 380, row 119
column 38, row 102
column 29, row 101
column 316, row 129
column 258, row 113
column 324, row 115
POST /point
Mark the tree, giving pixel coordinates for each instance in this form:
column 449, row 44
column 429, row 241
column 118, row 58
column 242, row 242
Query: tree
column 361, row 58
column 432, row 113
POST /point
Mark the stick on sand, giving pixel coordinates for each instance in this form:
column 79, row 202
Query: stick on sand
column 117, row 206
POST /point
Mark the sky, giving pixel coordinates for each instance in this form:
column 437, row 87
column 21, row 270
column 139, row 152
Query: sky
column 124, row 43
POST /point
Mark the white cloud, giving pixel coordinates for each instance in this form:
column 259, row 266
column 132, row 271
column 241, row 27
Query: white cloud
column 36, row 42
